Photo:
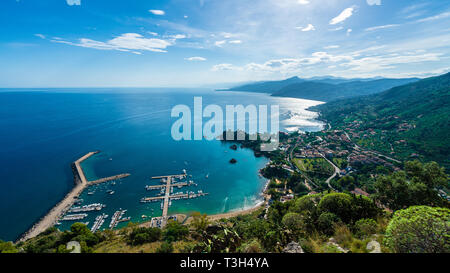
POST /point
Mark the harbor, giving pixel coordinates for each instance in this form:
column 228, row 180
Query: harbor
column 58, row 211
column 166, row 195
column 118, row 217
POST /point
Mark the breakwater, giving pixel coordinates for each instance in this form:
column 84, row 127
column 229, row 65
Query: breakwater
column 64, row 205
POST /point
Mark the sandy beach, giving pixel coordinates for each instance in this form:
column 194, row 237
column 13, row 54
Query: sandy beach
column 215, row 217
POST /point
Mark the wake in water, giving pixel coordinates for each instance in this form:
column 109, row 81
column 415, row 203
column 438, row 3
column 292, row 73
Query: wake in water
column 224, row 208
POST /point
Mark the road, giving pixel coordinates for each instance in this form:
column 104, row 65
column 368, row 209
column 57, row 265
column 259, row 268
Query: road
column 294, row 167
column 336, row 172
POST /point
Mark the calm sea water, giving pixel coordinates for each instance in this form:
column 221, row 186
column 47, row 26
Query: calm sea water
column 43, row 131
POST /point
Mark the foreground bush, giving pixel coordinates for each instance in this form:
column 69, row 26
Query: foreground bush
column 419, row 229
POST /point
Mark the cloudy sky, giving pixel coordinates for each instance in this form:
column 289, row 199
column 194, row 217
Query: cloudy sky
column 71, row 43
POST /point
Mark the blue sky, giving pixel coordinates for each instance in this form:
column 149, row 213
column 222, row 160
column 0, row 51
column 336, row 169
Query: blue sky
column 105, row 43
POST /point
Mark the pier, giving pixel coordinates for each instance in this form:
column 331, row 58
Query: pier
column 81, row 183
column 106, row 179
column 167, row 188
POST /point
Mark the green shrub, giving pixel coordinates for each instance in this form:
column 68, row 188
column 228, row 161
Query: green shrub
column 326, row 223
column 142, row 235
column 339, row 204
column 419, row 229
column 165, row 247
column 175, row 231
column 365, row 227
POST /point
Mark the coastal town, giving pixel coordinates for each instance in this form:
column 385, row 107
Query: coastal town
column 321, row 159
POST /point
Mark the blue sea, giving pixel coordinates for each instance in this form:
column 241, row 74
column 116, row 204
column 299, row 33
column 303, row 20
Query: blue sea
column 42, row 131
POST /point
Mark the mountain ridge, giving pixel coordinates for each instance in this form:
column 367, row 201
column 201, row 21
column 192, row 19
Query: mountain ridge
column 326, row 88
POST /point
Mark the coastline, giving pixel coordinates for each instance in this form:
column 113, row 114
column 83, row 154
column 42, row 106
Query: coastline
column 234, row 213
column 60, row 208
column 230, row 214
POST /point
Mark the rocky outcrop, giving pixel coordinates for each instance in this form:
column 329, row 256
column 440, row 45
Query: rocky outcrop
column 293, row 247
column 373, row 247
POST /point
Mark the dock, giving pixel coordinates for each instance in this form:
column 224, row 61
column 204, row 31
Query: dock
column 81, row 183
column 167, row 188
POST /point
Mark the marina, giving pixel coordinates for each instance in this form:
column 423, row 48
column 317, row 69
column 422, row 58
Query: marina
column 57, row 212
column 99, row 220
column 86, row 208
column 166, row 195
column 117, row 218
column 73, row 217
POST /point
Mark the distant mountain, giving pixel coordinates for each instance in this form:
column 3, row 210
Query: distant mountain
column 408, row 120
column 324, row 88
column 266, row 86
column 317, row 90
column 338, row 80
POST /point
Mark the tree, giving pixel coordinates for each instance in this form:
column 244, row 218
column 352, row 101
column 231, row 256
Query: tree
column 416, row 185
column 347, row 183
column 142, row 235
column 339, row 204
column 175, row 231
column 363, row 207
column 419, row 229
column 326, row 223
column 79, row 229
column 7, row 247
column 165, row 247
column 274, row 194
column 294, row 222
column 365, row 227
column 199, row 221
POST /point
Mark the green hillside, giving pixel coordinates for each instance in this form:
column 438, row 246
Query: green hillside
column 323, row 91
column 406, row 121
column 321, row 88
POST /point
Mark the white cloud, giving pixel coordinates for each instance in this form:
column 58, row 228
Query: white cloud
column 235, row 42
column 349, row 31
column 185, row 17
column 228, row 35
column 73, row 2
column 222, row 67
column 128, row 42
column 309, row 27
column 374, row 2
column 178, row 36
column 157, row 12
column 331, row 47
column 346, row 13
column 379, row 63
column 199, row 59
column 220, row 43
column 153, row 33
column 337, row 29
column 436, row 17
column 40, row 35
column 360, row 64
column 303, row 2
column 381, row 27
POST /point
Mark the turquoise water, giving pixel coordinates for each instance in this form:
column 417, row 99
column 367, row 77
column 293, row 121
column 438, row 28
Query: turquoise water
column 43, row 131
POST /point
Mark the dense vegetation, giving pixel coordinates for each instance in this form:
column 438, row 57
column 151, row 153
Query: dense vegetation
column 413, row 118
column 419, row 229
column 322, row 222
column 327, row 92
